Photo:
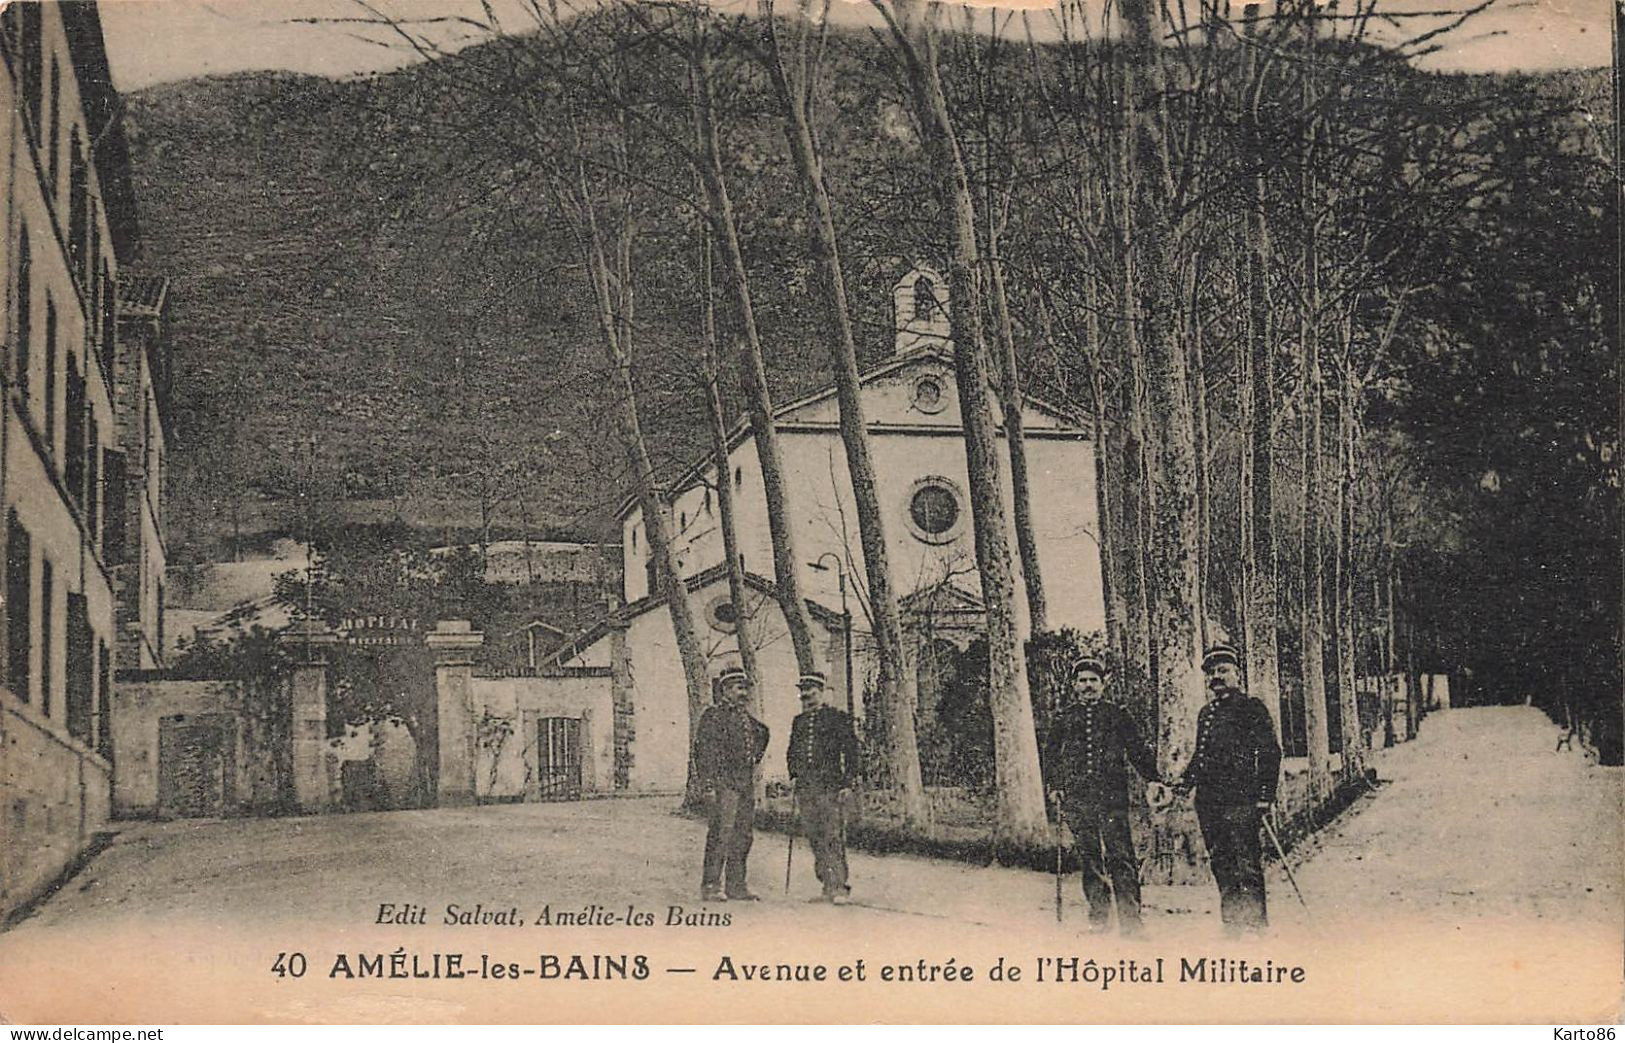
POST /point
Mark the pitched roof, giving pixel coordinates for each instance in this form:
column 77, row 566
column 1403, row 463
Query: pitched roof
column 741, row 428
column 943, row 597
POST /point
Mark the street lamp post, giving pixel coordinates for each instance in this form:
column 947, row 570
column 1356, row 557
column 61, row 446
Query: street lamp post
column 846, row 620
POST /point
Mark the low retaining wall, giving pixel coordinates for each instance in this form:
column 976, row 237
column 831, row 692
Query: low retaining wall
column 1170, row 847
column 57, row 797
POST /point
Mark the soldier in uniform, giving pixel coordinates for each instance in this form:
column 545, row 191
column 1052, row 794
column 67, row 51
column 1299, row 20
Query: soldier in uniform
column 728, row 746
column 1234, row 770
column 824, row 763
column 1084, row 768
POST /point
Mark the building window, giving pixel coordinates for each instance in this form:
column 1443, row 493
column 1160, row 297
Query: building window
column 104, row 702
column 93, row 292
column 19, row 608
column 925, row 299
column 47, row 610
column 935, row 513
column 25, row 314
column 30, row 46
column 50, row 376
column 151, row 443
column 52, row 130
column 739, row 477
column 73, row 459
column 81, row 669
column 79, row 213
column 929, row 395
column 109, row 319
column 113, row 515
column 634, row 537
column 720, row 614
column 93, row 483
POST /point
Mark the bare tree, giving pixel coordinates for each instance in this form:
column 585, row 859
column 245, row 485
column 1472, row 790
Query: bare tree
column 601, row 217
column 794, row 71
column 1020, row 817
column 726, row 511
column 719, row 210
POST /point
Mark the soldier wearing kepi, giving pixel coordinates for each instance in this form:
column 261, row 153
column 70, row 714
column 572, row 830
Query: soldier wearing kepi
column 824, row 764
column 1234, row 768
column 1084, row 768
column 727, row 747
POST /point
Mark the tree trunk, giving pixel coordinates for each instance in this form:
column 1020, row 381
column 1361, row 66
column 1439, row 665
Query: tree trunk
column 1199, row 424
column 737, row 593
column 612, row 297
column 1011, row 405
column 1151, row 303
column 753, row 370
column 1262, row 592
column 1019, row 817
column 1343, row 577
column 1106, row 447
column 896, row 696
column 1413, row 713
column 1311, row 609
column 1138, row 491
column 1390, row 656
column 1174, row 540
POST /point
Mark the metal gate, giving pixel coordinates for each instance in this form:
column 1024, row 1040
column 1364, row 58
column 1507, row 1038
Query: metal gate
column 558, row 758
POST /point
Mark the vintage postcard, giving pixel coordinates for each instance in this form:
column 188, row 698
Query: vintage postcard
column 800, row 511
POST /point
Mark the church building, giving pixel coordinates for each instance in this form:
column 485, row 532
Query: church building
column 911, row 405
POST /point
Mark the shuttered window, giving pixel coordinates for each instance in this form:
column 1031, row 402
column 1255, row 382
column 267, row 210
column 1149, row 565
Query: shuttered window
column 81, row 668
column 23, row 342
column 113, row 515
column 47, row 632
column 19, row 591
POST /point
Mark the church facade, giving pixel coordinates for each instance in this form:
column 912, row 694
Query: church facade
column 911, row 404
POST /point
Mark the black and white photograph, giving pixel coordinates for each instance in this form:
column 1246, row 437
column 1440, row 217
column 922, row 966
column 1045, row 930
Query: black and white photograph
column 811, row 512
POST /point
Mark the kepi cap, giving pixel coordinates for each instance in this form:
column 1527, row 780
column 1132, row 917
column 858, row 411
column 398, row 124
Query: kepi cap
column 1221, row 653
column 811, row 679
column 732, row 673
column 1091, row 664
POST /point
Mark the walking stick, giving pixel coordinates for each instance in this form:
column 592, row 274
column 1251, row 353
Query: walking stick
column 1058, row 915
column 790, row 852
column 1279, row 850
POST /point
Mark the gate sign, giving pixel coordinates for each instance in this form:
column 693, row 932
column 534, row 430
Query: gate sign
column 380, row 630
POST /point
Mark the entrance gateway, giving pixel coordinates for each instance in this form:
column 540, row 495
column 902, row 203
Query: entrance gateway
column 558, row 758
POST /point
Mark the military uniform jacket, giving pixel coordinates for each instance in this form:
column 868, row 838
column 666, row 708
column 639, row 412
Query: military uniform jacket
column 729, row 745
column 1084, row 754
column 824, row 748
column 1237, row 759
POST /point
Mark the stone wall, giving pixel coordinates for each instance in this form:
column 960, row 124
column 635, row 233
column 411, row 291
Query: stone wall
column 508, row 759
column 56, row 798
column 157, row 719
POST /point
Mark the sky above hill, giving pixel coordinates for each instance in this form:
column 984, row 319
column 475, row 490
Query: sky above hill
column 159, row 41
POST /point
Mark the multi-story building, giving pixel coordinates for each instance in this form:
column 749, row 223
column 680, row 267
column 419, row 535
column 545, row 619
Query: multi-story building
column 69, row 225
column 135, row 475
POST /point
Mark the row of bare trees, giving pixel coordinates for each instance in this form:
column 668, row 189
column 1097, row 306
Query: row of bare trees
column 1200, row 226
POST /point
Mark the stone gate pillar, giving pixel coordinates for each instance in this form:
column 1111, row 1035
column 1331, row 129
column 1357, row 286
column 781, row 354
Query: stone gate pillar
column 308, row 644
column 454, row 642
